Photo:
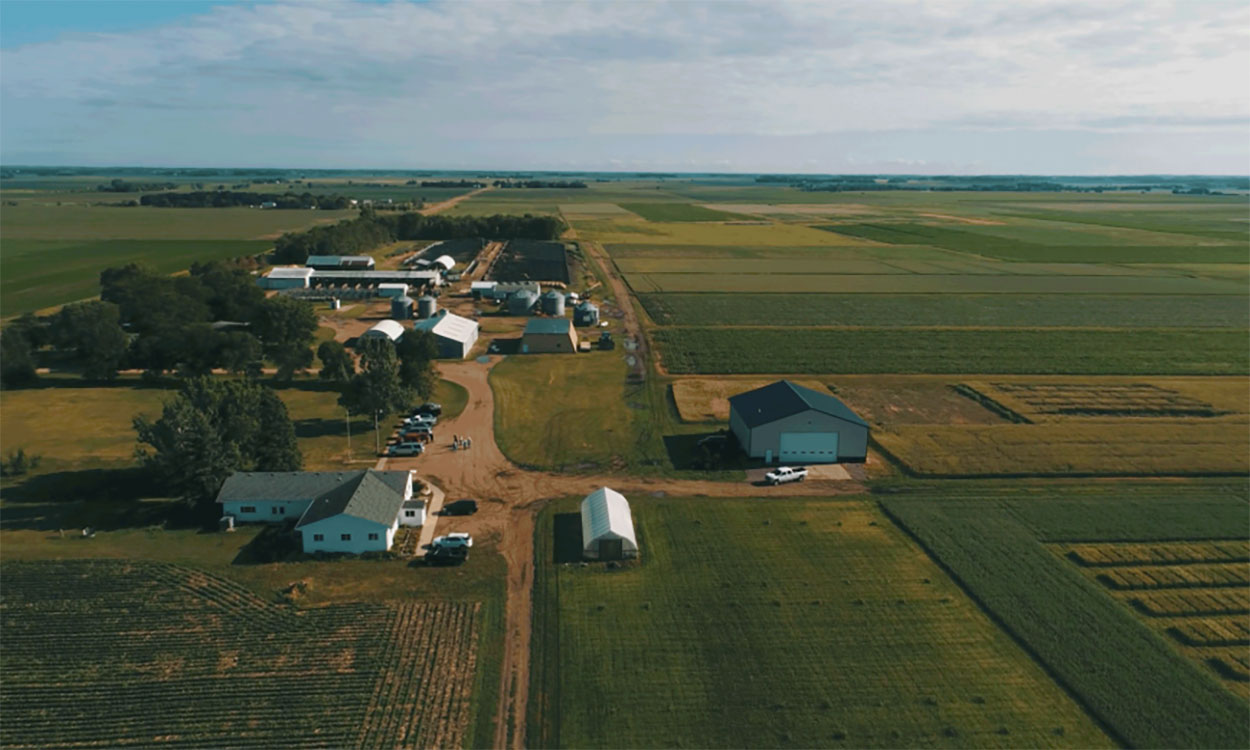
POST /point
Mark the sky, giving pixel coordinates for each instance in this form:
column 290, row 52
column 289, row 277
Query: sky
column 980, row 87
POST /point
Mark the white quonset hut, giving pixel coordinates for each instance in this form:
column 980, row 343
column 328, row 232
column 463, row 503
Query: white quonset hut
column 607, row 527
column 784, row 422
column 286, row 278
column 445, row 262
column 455, row 335
column 388, row 329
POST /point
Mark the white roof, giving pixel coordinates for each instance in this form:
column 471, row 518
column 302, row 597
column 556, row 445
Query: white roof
column 483, row 285
column 388, row 328
column 450, row 326
column 605, row 514
column 393, row 286
column 287, row 272
column 446, row 261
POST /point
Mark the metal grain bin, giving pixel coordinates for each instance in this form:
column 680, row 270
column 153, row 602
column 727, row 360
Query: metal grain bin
column 426, row 307
column 553, row 303
column 401, row 308
column 586, row 314
column 522, row 302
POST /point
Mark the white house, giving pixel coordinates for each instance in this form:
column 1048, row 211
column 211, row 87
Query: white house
column 354, row 511
column 607, row 526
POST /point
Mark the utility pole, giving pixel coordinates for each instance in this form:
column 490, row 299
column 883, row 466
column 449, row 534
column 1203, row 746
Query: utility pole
column 347, row 419
column 377, row 442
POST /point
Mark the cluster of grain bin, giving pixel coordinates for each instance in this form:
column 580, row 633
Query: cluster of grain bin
column 427, row 306
column 522, row 302
column 401, row 307
column 553, row 303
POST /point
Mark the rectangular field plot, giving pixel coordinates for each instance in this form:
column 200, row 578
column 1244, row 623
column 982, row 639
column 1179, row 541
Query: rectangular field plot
column 531, row 260
column 914, row 350
column 127, row 653
column 782, row 624
column 1054, row 242
column 681, row 212
column 1159, row 553
column 1220, row 601
column 904, row 283
column 753, row 234
column 1096, row 399
column 1176, row 577
column 895, row 253
column 1031, row 310
column 1111, row 447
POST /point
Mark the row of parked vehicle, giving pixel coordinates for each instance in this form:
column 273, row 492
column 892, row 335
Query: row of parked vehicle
column 415, row 430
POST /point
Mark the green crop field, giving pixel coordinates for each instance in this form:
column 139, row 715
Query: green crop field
column 681, row 212
column 935, row 283
column 131, row 653
column 1131, row 678
column 1067, row 247
column 1068, row 310
column 945, row 350
column 782, row 623
column 80, row 221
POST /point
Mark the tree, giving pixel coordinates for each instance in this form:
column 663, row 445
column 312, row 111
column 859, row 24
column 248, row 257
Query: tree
column 376, row 389
column 337, row 364
column 92, row 330
column 212, row 428
column 287, row 327
column 17, row 366
column 240, row 353
column 417, row 351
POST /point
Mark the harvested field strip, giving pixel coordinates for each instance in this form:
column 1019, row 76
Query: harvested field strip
column 129, row 654
column 949, row 283
column 1175, row 577
column 1125, row 673
column 918, row 350
column 1231, row 632
column 1163, row 553
column 1230, row 601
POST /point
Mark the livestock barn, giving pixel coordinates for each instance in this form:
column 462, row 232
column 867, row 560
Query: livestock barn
column 286, row 278
column 607, row 526
column 788, row 423
column 455, row 335
column 337, row 262
column 549, row 335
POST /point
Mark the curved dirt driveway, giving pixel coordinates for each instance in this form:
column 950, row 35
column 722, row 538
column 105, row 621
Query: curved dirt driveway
column 509, row 497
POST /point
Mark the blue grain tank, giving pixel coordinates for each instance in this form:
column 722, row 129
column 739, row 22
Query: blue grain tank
column 586, row 314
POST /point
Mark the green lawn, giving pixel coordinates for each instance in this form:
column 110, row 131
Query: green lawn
column 781, row 623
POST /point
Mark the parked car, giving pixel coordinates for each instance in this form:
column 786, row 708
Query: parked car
column 446, row 555
column 454, row 539
column 416, row 435
column 407, row 448
column 465, row 507
column 430, row 408
column 418, row 420
column 783, row 474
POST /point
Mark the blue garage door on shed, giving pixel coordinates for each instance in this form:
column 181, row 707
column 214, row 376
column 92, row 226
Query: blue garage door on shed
column 802, row 447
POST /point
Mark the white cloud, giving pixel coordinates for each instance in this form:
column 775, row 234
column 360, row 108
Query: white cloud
column 379, row 80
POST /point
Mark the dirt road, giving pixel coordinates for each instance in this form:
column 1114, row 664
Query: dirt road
column 434, row 208
column 620, row 290
column 508, row 498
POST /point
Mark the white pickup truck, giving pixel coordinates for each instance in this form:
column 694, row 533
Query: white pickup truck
column 784, row 474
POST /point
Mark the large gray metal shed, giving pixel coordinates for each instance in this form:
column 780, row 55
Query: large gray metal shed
column 787, row 423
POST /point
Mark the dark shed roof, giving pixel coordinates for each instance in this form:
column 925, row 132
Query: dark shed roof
column 547, row 325
column 372, row 495
column 783, row 399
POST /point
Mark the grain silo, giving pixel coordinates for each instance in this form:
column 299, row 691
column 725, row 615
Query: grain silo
column 553, row 303
column 586, row 314
column 401, row 307
column 522, row 302
column 426, row 307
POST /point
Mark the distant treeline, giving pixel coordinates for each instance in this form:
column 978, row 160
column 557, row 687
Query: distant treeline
column 1188, row 185
column 360, row 235
column 229, row 198
column 539, row 184
column 451, row 184
column 121, row 186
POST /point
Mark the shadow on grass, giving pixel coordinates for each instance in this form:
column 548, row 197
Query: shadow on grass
column 718, row 452
column 566, row 530
column 105, row 499
column 274, row 543
column 505, row 346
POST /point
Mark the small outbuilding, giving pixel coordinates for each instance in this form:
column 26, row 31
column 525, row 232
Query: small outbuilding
column 788, row 423
column 586, row 314
column 445, row 262
column 412, row 513
column 391, row 289
column 286, row 278
column 389, row 329
column 454, row 334
column 548, row 335
column 607, row 526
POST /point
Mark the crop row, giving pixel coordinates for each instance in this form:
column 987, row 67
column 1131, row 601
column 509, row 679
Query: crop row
column 1230, row 601
column 1160, row 553
column 1223, row 631
column 1125, row 674
column 1176, row 577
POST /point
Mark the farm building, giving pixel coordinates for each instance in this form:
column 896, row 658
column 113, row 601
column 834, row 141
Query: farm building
column 547, row 335
column 339, row 262
column 286, row 278
column 607, row 527
column 412, row 513
column 401, row 308
column 392, row 289
column 445, row 262
column 352, row 511
column 427, row 306
column 501, row 290
column 522, row 302
column 553, row 303
column 785, row 422
column 390, row 329
column 586, row 314
column 455, row 335
column 364, row 277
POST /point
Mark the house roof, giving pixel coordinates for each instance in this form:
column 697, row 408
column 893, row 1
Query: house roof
column 370, row 496
column 606, row 511
column 244, row 486
column 547, row 326
column 449, row 325
column 783, row 399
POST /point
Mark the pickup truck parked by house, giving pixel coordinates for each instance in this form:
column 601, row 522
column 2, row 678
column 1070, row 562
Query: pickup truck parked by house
column 783, row 474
